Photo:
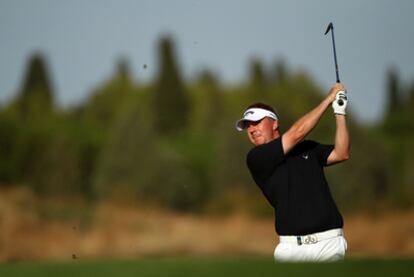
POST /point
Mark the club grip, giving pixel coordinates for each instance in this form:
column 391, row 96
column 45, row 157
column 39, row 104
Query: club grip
column 340, row 100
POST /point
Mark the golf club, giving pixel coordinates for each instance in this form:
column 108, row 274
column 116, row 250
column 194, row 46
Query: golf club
column 331, row 28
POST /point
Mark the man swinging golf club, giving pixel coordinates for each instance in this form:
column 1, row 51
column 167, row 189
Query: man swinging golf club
column 289, row 171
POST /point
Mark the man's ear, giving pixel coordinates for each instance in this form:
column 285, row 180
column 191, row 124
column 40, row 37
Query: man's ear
column 275, row 125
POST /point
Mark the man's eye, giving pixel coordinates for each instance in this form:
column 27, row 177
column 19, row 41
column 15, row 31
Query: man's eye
column 253, row 123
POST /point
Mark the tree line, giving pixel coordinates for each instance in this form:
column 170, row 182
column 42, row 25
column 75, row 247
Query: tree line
column 171, row 142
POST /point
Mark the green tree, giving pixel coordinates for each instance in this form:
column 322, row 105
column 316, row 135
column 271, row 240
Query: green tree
column 280, row 71
column 106, row 101
column 393, row 92
column 258, row 80
column 397, row 134
column 170, row 103
column 208, row 104
column 36, row 95
column 10, row 134
column 129, row 159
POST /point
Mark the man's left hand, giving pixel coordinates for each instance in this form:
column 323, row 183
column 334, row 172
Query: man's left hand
column 340, row 103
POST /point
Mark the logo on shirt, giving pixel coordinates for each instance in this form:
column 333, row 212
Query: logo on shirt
column 306, row 156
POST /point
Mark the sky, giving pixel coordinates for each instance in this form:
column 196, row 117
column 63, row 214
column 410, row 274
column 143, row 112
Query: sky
column 84, row 40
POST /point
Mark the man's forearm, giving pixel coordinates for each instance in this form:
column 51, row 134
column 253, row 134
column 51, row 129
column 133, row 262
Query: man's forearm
column 304, row 125
column 341, row 149
column 342, row 143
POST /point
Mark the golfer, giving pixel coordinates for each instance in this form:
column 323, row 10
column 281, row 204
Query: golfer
column 290, row 172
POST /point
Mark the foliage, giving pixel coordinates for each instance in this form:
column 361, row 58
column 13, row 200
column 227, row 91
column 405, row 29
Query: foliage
column 170, row 99
column 36, row 94
column 396, row 131
column 173, row 143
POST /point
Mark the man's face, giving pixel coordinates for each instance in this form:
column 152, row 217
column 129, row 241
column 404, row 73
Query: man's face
column 262, row 131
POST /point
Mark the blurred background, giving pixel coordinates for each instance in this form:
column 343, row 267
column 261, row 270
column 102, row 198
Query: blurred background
column 117, row 133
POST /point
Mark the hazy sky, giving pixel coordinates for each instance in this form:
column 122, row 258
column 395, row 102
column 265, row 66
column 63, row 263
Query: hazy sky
column 84, row 39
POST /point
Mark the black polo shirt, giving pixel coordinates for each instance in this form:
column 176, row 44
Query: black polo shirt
column 295, row 185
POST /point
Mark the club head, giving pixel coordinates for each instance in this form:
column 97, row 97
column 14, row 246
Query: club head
column 330, row 26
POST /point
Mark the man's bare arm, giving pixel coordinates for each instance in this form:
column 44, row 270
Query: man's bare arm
column 342, row 143
column 302, row 127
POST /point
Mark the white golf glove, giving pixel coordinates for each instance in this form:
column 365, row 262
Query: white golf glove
column 340, row 103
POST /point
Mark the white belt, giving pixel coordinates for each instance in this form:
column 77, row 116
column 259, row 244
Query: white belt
column 312, row 238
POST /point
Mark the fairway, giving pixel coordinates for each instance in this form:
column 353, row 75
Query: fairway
column 210, row 267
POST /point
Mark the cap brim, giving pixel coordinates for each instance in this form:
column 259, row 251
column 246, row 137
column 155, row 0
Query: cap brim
column 241, row 124
column 253, row 115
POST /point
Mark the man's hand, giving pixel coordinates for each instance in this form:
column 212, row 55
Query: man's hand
column 340, row 103
column 337, row 87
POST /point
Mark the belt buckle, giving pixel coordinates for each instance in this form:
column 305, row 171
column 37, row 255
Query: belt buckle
column 310, row 239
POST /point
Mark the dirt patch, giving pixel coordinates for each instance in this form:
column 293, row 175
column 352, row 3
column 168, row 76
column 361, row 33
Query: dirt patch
column 34, row 229
column 386, row 234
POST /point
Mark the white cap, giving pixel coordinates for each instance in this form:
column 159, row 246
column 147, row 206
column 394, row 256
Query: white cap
column 254, row 114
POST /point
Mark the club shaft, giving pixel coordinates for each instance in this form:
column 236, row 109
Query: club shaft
column 334, row 52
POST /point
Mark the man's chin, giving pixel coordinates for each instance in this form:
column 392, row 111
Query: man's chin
column 258, row 141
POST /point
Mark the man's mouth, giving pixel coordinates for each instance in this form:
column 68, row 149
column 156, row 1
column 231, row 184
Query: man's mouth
column 255, row 135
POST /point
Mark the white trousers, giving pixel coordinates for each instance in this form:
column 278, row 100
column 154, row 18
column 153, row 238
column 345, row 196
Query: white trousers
column 331, row 249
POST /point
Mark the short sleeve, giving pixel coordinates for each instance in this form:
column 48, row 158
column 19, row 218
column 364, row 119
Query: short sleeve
column 263, row 159
column 323, row 151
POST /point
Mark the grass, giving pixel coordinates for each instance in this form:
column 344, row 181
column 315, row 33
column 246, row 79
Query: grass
column 210, row 267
